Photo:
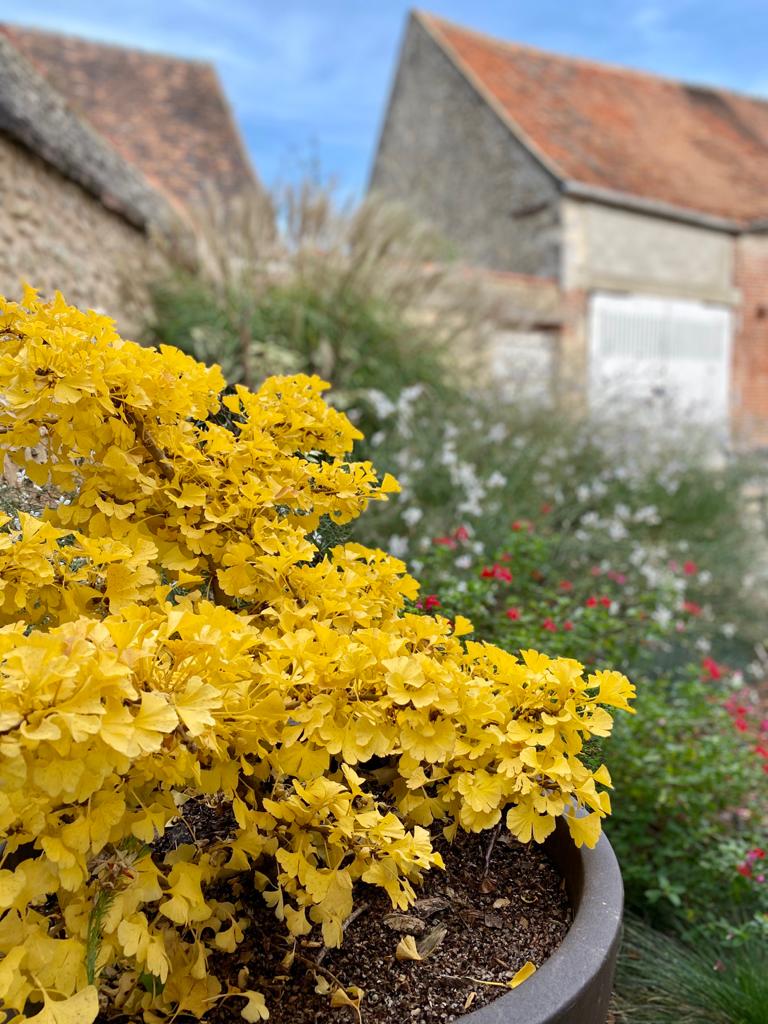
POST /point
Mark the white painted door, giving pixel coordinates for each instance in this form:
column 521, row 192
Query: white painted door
column 660, row 357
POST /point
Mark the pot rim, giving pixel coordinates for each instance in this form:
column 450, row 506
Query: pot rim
column 596, row 892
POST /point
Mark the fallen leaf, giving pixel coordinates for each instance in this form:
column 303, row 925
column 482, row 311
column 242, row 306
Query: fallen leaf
column 431, row 905
column 501, row 903
column 523, row 974
column 256, row 1008
column 494, row 921
column 406, row 949
column 431, row 941
column 487, row 885
column 347, row 997
column 469, row 1000
column 405, row 923
column 322, row 985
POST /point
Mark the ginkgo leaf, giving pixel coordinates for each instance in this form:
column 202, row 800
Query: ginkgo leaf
column 351, row 996
column 585, row 830
column 256, row 1008
column 406, row 949
column 81, row 1008
column 523, row 974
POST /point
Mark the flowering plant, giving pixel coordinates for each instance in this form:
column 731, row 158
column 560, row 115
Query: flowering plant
column 183, row 625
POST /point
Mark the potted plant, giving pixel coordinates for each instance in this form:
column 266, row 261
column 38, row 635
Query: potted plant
column 186, row 624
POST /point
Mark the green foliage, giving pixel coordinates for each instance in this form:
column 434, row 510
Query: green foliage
column 687, row 791
column 661, row 981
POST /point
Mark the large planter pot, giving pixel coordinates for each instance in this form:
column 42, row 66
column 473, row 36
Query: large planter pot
column 574, row 985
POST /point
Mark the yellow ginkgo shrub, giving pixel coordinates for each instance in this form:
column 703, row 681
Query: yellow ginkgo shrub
column 179, row 626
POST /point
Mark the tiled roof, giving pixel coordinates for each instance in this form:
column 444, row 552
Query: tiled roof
column 689, row 146
column 166, row 116
column 34, row 114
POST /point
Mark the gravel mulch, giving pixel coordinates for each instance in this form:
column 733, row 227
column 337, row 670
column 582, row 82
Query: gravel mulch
column 483, row 926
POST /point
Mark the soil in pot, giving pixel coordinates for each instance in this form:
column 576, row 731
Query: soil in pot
column 485, row 924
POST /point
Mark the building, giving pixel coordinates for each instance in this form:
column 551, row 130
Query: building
column 644, row 200
column 107, row 157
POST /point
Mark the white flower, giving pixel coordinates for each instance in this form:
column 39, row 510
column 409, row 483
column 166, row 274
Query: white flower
column 463, row 562
column 728, row 629
column 497, row 433
column 662, row 616
column 705, row 577
column 382, row 405
column 377, row 438
column 496, row 479
column 412, row 515
column 398, row 546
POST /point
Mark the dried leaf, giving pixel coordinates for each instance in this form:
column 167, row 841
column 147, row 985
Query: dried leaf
column 431, row 941
column 487, row 885
column 523, row 974
column 469, row 1000
column 406, row 949
column 405, row 923
column 431, row 905
column 322, row 985
column 501, row 903
column 494, row 921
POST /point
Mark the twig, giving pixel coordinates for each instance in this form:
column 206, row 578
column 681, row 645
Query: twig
column 489, row 851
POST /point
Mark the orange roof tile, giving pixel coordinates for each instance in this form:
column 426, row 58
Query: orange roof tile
column 166, row 116
column 692, row 147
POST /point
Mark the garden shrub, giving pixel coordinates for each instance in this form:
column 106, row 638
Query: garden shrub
column 182, row 625
column 690, row 812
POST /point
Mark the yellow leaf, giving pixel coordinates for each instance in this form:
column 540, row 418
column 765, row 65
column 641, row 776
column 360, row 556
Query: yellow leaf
column 406, row 949
column 525, row 823
column 523, row 974
column 81, row 1008
column 462, row 626
column 585, row 831
column 256, row 1008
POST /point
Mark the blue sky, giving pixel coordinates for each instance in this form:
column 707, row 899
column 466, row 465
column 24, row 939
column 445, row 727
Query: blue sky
column 309, row 79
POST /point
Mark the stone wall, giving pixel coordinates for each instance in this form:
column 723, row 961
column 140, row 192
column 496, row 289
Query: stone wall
column 54, row 234
column 449, row 156
column 608, row 248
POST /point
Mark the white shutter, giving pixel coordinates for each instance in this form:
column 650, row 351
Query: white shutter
column 660, row 356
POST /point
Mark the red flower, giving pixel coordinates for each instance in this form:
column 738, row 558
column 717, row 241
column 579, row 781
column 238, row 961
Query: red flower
column 756, row 854
column 446, row 542
column 462, row 533
column 596, row 570
column 591, row 602
column 712, row 670
column 567, row 625
column 549, row 624
column 691, row 607
column 565, row 585
column 690, row 568
column 617, row 577
column 745, row 870
column 605, row 602
column 546, row 508
column 513, row 614
column 496, row 572
column 431, row 601
column 740, row 724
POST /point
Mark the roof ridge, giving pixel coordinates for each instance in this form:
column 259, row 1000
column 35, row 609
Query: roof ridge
column 607, row 67
column 9, row 27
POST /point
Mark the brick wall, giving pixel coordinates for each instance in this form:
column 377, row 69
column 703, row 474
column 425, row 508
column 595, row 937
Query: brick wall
column 445, row 153
column 750, row 348
column 55, row 234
